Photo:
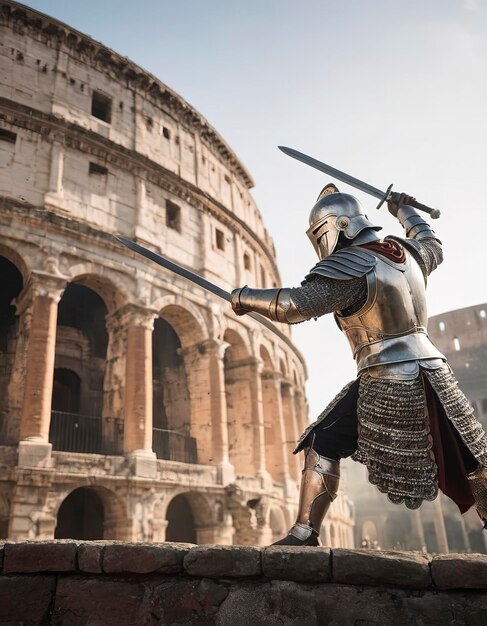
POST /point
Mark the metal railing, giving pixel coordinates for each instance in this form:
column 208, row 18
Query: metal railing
column 71, row 432
column 172, row 446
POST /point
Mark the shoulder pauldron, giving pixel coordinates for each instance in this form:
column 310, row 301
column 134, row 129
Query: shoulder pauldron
column 345, row 264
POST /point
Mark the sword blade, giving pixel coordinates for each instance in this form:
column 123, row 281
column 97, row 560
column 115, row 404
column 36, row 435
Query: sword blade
column 328, row 169
column 174, row 267
column 194, row 278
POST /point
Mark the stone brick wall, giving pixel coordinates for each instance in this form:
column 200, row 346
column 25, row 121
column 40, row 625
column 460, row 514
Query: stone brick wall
column 67, row 582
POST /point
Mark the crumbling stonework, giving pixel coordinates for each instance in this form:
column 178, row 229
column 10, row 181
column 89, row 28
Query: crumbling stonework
column 133, row 404
column 112, row 583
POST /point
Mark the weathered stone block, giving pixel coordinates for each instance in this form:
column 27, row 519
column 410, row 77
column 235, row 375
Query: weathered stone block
column 40, row 556
column 460, row 571
column 300, row 564
column 141, row 558
column 89, row 557
column 223, row 561
column 98, row 601
column 371, row 567
column 25, row 599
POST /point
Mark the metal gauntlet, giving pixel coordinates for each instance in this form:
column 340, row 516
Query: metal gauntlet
column 414, row 224
column 275, row 304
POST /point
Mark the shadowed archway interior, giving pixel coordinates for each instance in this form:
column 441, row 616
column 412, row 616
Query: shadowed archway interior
column 80, row 516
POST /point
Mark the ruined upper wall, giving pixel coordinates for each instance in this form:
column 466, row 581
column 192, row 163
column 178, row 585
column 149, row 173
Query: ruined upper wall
column 108, row 143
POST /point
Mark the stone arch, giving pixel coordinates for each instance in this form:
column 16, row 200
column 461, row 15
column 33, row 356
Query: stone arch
column 16, row 259
column 109, row 290
column 238, row 371
column 277, row 523
column 203, row 516
column 369, row 534
column 186, row 319
column 82, row 340
column 12, row 283
column 176, row 332
column 88, row 511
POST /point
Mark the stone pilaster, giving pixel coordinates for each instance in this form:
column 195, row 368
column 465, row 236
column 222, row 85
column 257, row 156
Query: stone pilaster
column 257, row 401
column 55, row 195
column 138, row 324
column 206, row 378
column 292, row 430
column 276, row 447
column 39, row 303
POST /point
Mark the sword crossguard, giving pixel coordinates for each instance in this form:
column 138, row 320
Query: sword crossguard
column 387, row 196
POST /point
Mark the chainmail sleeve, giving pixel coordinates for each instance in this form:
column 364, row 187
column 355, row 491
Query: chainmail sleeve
column 319, row 295
column 427, row 252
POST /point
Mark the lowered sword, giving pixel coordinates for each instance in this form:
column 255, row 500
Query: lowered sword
column 384, row 196
column 194, row 278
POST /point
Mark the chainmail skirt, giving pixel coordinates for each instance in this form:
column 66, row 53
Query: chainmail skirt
column 394, row 439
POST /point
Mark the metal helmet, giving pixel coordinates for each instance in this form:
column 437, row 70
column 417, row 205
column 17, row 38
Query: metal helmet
column 335, row 213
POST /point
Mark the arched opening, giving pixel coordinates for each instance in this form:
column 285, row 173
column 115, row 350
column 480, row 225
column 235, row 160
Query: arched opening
column 10, row 286
column 277, row 524
column 291, row 430
column 171, row 401
column 239, row 404
column 81, row 348
column 369, row 537
column 180, row 521
column 81, row 516
column 66, row 391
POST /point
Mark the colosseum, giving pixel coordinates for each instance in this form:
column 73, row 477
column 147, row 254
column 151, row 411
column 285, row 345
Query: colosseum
column 133, row 404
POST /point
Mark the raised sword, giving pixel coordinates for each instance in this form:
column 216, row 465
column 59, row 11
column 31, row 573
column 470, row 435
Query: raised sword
column 194, row 278
column 384, row 196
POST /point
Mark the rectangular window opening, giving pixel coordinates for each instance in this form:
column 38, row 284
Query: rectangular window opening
column 101, row 106
column 220, row 239
column 173, row 216
column 247, row 262
column 98, row 170
column 7, row 135
column 165, row 132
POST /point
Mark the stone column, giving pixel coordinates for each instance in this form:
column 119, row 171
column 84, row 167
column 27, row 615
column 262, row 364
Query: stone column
column 39, row 304
column 255, row 369
column 206, row 379
column 137, row 442
column 276, row 447
column 440, row 529
column 293, row 434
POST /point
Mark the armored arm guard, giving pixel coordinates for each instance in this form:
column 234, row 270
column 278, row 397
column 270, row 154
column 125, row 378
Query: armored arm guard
column 421, row 240
column 414, row 224
column 275, row 304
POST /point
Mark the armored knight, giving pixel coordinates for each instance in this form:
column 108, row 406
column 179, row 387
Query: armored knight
column 404, row 415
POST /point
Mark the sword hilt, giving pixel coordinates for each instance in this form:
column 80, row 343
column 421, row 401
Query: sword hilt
column 394, row 195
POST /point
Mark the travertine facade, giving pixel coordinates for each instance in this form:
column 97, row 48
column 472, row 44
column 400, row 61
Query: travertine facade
column 133, row 404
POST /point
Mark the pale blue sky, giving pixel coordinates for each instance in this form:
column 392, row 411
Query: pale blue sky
column 389, row 90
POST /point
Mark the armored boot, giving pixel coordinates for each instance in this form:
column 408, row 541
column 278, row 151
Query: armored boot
column 319, row 485
column 478, row 483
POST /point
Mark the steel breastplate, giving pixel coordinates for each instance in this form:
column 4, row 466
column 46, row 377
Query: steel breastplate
column 391, row 326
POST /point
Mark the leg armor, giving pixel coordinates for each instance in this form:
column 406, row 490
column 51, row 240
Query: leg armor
column 319, row 486
column 478, row 483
